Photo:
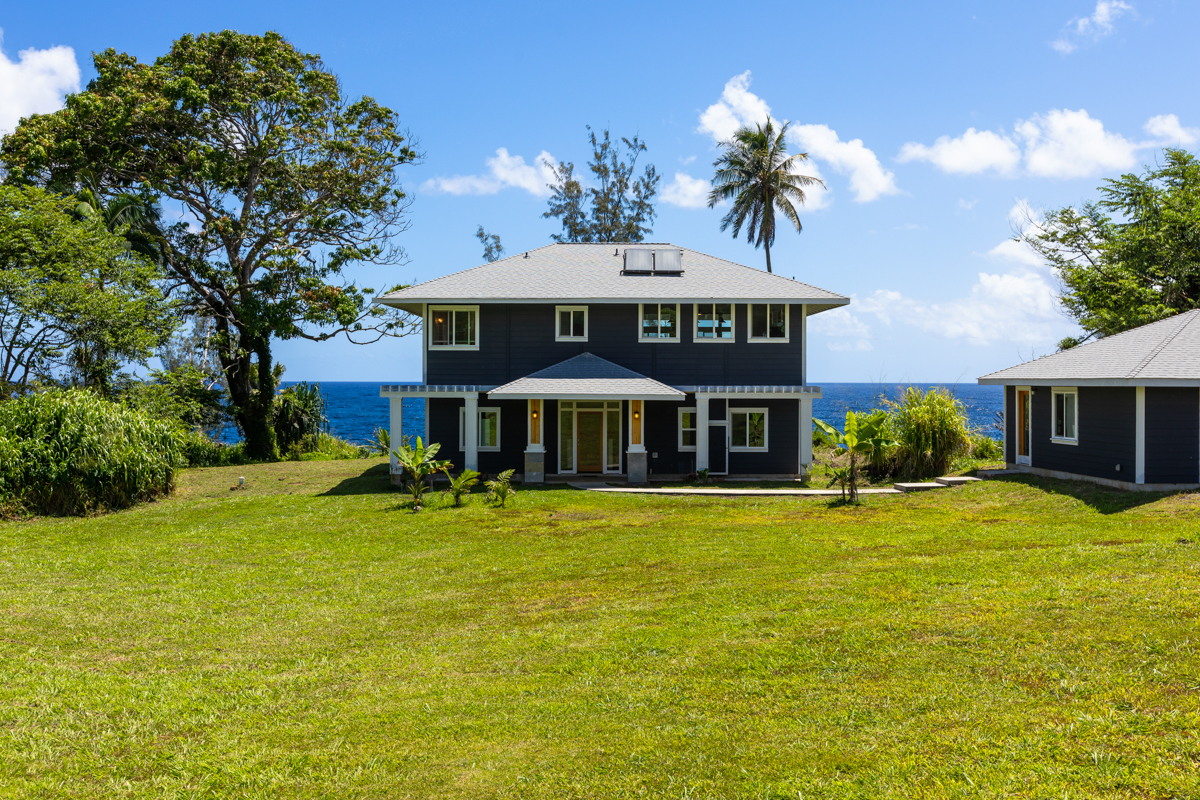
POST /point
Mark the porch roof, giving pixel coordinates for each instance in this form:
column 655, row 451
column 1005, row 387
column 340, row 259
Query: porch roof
column 585, row 377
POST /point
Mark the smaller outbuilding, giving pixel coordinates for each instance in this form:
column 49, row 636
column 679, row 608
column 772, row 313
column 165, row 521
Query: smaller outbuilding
column 1122, row 411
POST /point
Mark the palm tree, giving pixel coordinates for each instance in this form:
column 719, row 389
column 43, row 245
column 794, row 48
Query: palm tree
column 755, row 172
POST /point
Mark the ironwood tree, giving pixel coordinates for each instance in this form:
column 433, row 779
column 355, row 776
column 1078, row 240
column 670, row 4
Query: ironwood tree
column 619, row 208
column 281, row 182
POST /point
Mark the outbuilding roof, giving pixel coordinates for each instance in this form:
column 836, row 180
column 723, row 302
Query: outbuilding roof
column 585, row 377
column 594, row 273
column 1163, row 353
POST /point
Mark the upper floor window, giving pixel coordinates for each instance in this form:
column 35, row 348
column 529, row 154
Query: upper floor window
column 454, row 326
column 660, row 321
column 768, row 322
column 572, row 324
column 1066, row 415
column 714, row 322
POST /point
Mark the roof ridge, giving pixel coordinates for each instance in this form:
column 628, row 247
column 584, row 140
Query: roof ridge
column 1186, row 320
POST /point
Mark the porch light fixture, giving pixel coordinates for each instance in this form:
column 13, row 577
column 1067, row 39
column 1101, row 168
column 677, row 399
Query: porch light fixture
column 637, row 415
column 535, row 415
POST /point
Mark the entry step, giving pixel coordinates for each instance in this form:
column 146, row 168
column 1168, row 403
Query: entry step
column 957, row 480
column 920, row 487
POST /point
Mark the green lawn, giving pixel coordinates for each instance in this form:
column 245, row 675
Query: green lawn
column 309, row 637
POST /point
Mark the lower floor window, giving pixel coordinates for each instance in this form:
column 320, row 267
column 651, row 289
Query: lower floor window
column 1066, row 414
column 687, row 429
column 488, row 428
column 748, row 429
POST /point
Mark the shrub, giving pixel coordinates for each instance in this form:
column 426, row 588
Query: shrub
column 931, row 431
column 500, row 490
column 299, row 414
column 201, row 451
column 985, row 448
column 326, row 447
column 70, row 452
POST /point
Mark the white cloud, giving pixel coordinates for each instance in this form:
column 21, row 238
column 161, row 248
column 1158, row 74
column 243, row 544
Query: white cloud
column 1071, row 144
column 868, row 178
column 967, row 205
column 844, row 331
column 1020, row 308
column 1095, row 27
column 686, row 191
column 973, row 152
column 1058, row 144
column 737, row 107
column 1166, row 129
column 1021, row 217
column 504, row 170
column 35, row 83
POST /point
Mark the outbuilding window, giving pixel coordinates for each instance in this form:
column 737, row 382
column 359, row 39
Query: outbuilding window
column 454, row 327
column 572, row 322
column 768, row 322
column 747, row 429
column 1065, row 416
column 488, row 427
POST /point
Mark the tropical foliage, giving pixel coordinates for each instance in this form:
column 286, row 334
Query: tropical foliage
column 299, row 415
column 862, row 437
column 277, row 222
column 71, row 295
column 72, row 452
column 1131, row 257
column 419, row 465
column 461, row 485
column 931, row 431
column 500, row 489
column 757, row 177
column 617, row 207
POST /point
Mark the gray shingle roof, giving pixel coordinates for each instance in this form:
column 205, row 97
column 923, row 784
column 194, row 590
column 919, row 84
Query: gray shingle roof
column 586, row 376
column 1162, row 353
column 582, row 273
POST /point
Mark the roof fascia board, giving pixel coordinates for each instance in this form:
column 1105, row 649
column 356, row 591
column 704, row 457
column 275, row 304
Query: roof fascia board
column 518, row 395
column 1160, row 382
column 399, row 302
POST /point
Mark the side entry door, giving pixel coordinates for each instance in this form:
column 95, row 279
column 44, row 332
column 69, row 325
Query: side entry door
column 718, row 448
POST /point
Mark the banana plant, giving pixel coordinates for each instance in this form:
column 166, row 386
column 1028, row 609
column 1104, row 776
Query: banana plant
column 420, row 465
column 461, row 485
column 863, row 436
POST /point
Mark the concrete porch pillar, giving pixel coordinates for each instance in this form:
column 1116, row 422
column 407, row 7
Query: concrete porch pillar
column 806, row 451
column 471, row 433
column 636, row 458
column 701, row 432
column 535, row 451
column 395, row 430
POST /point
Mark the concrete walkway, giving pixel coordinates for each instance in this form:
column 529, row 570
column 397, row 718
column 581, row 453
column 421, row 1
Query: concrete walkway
column 685, row 490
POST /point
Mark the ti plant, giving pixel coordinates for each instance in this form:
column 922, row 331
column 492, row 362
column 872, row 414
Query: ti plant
column 420, row 466
column 501, row 489
column 863, row 436
column 461, row 485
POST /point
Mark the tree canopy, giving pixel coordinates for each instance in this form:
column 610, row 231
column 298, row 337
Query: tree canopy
column 71, row 289
column 757, row 177
column 1131, row 257
column 620, row 208
column 281, row 181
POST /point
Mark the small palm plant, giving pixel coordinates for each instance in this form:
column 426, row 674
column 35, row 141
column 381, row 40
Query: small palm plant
column 380, row 442
column 461, row 485
column 419, row 464
column 500, row 490
column 863, row 436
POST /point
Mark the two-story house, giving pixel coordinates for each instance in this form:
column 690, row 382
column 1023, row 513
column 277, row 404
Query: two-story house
column 615, row 359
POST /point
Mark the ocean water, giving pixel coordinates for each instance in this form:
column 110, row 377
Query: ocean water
column 355, row 409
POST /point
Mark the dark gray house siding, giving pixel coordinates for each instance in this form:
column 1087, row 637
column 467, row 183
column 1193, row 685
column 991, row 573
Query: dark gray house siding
column 1107, row 434
column 1172, row 434
column 518, row 339
column 442, row 415
column 783, row 439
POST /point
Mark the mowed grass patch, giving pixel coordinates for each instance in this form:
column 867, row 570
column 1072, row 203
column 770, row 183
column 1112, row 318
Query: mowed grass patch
column 308, row 636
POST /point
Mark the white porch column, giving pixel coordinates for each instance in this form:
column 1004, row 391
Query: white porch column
column 471, row 433
column 1139, row 470
column 395, row 429
column 806, row 456
column 701, row 431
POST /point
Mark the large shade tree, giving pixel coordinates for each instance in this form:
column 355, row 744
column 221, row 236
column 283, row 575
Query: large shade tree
column 757, row 177
column 1131, row 257
column 281, row 180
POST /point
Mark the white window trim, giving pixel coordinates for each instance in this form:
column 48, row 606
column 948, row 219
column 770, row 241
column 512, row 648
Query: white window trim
column 478, row 331
column 787, row 324
column 1054, row 391
column 732, row 323
column 462, row 433
column 559, row 337
column 729, row 412
column 685, row 448
column 658, row 339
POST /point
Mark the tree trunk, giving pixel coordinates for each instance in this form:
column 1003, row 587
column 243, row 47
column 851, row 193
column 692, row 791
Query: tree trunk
column 252, row 392
column 768, row 246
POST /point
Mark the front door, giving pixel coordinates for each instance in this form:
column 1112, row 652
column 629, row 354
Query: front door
column 1023, row 426
column 591, row 441
column 718, row 449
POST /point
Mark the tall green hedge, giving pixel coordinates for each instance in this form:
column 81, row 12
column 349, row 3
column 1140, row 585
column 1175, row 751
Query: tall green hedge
column 71, row 452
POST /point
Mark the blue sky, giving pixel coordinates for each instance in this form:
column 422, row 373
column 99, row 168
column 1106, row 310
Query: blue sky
column 936, row 127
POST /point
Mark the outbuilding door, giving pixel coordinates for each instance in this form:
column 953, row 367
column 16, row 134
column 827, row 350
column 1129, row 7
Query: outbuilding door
column 1024, row 412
